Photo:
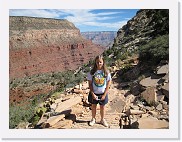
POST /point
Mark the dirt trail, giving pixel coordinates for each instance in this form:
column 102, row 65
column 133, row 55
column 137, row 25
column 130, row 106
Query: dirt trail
column 113, row 111
column 122, row 107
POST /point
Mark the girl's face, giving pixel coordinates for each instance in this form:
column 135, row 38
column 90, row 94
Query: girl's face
column 99, row 63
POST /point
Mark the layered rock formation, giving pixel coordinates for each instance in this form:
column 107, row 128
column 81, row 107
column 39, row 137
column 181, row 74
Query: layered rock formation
column 39, row 45
column 104, row 38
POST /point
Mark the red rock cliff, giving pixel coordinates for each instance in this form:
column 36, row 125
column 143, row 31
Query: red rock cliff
column 39, row 45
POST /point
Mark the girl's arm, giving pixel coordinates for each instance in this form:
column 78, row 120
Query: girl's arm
column 91, row 89
column 106, row 90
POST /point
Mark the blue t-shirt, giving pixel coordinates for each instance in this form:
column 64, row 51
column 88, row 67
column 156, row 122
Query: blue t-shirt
column 99, row 81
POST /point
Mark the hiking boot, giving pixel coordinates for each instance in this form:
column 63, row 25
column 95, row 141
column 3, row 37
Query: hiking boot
column 92, row 122
column 104, row 123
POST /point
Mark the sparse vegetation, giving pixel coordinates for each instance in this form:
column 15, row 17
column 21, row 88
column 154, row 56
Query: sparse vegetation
column 29, row 111
column 156, row 50
column 20, row 113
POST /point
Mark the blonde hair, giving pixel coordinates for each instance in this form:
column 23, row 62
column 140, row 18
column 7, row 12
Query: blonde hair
column 104, row 67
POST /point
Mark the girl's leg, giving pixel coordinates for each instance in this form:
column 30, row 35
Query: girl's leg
column 94, row 106
column 92, row 122
column 102, row 111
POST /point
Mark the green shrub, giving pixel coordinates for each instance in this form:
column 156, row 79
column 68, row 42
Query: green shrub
column 35, row 119
column 156, row 50
column 20, row 113
column 124, row 56
column 24, row 111
column 79, row 77
column 126, row 67
column 161, row 20
column 108, row 61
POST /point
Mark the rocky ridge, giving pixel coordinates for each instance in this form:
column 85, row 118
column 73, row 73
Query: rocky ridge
column 146, row 25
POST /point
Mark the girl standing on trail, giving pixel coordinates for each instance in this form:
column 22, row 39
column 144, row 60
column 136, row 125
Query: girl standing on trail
column 99, row 80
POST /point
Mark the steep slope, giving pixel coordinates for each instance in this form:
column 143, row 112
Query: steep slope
column 39, row 45
column 145, row 26
column 145, row 40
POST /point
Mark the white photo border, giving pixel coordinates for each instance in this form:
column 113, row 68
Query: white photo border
column 171, row 133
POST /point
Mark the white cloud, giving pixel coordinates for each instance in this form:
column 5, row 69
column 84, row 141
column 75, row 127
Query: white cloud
column 34, row 13
column 81, row 16
column 77, row 16
column 115, row 25
column 85, row 17
column 108, row 13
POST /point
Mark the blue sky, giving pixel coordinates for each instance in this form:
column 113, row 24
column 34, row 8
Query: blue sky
column 84, row 19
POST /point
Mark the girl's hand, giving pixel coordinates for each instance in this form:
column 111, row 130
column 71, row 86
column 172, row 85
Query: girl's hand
column 94, row 96
column 103, row 97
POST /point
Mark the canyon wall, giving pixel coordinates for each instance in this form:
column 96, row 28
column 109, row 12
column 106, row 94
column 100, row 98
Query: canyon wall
column 104, row 38
column 42, row 45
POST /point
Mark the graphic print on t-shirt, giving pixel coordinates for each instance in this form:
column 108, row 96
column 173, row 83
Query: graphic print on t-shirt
column 99, row 79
